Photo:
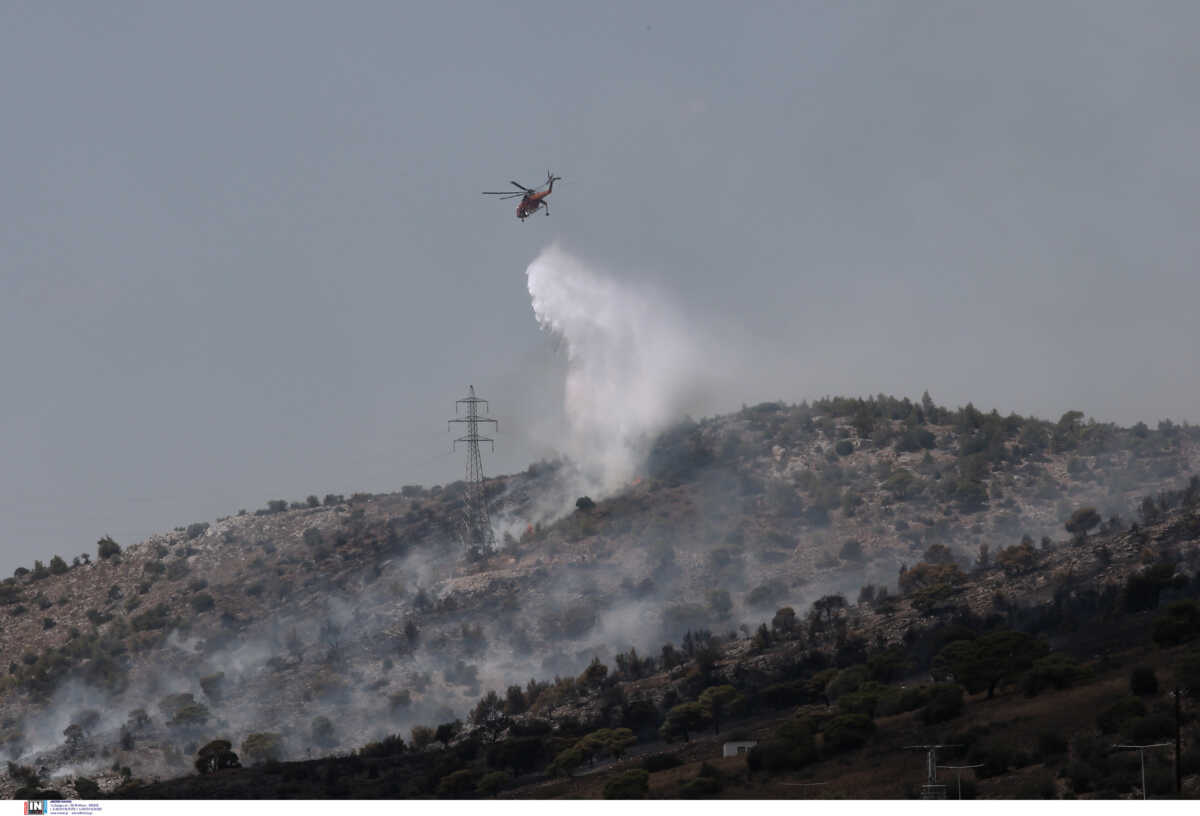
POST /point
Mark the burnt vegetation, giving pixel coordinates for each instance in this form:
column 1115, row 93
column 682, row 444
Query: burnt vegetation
column 831, row 581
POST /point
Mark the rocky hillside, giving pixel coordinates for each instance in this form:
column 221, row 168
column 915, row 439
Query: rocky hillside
column 328, row 623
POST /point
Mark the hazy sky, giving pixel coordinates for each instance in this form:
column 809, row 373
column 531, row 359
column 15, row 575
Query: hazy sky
column 243, row 253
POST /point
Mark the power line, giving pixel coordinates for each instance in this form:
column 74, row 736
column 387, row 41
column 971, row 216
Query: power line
column 477, row 525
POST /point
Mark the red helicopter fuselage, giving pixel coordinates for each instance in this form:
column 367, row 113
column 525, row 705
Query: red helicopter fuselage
column 532, row 202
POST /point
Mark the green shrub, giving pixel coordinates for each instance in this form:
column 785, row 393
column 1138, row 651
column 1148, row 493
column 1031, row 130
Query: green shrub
column 192, row 714
column 632, row 784
column 1181, row 624
column 158, row 617
column 1056, row 671
column 898, row 700
column 492, row 783
column 848, row 731
column 457, row 783
column 701, row 787
column 847, row 681
column 107, row 548
column 792, row 747
column 945, row 703
column 97, row 618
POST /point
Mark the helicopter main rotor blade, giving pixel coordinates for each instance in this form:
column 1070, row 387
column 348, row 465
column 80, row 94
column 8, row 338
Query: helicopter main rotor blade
column 522, row 186
column 505, row 193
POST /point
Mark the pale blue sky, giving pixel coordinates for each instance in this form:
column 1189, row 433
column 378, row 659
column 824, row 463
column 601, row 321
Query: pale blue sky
column 244, row 255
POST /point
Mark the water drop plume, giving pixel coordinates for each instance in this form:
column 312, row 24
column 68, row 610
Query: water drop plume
column 634, row 366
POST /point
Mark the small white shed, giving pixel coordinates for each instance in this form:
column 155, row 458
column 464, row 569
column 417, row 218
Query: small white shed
column 737, row 748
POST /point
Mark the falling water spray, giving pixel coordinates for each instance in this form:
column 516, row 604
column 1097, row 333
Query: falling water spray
column 633, row 364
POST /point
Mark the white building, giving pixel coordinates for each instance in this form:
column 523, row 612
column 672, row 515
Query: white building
column 737, row 748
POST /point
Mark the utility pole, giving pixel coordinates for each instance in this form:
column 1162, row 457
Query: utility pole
column 1178, row 694
column 958, row 769
column 477, row 525
column 931, row 789
column 1141, row 749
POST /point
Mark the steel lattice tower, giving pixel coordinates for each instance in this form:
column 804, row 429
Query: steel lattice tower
column 477, row 526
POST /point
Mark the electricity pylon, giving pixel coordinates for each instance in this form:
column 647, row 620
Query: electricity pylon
column 477, row 526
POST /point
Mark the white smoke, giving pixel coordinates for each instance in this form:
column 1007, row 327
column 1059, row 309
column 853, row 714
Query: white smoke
column 633, row 365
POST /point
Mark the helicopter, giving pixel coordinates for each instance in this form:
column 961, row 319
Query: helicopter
column 531, row 200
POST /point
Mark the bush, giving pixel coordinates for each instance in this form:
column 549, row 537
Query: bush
column 945, row 703
column 844, row 448
column 848, row 731
column 1180, row 625
column 632, row 784
column 57, row 565
column 457, row 783
column 202, row 602
column 1119, row 714
column 792, row 748
column 703, row 786
column 97, row 618
column 847, row 681
column 159, row 617
column 107, row 548
column 192, row 714
column 492, row 783
column 196, row 530
column 1053, row 671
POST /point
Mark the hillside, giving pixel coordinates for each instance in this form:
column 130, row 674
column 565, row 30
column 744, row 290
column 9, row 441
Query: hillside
column 326, row 624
